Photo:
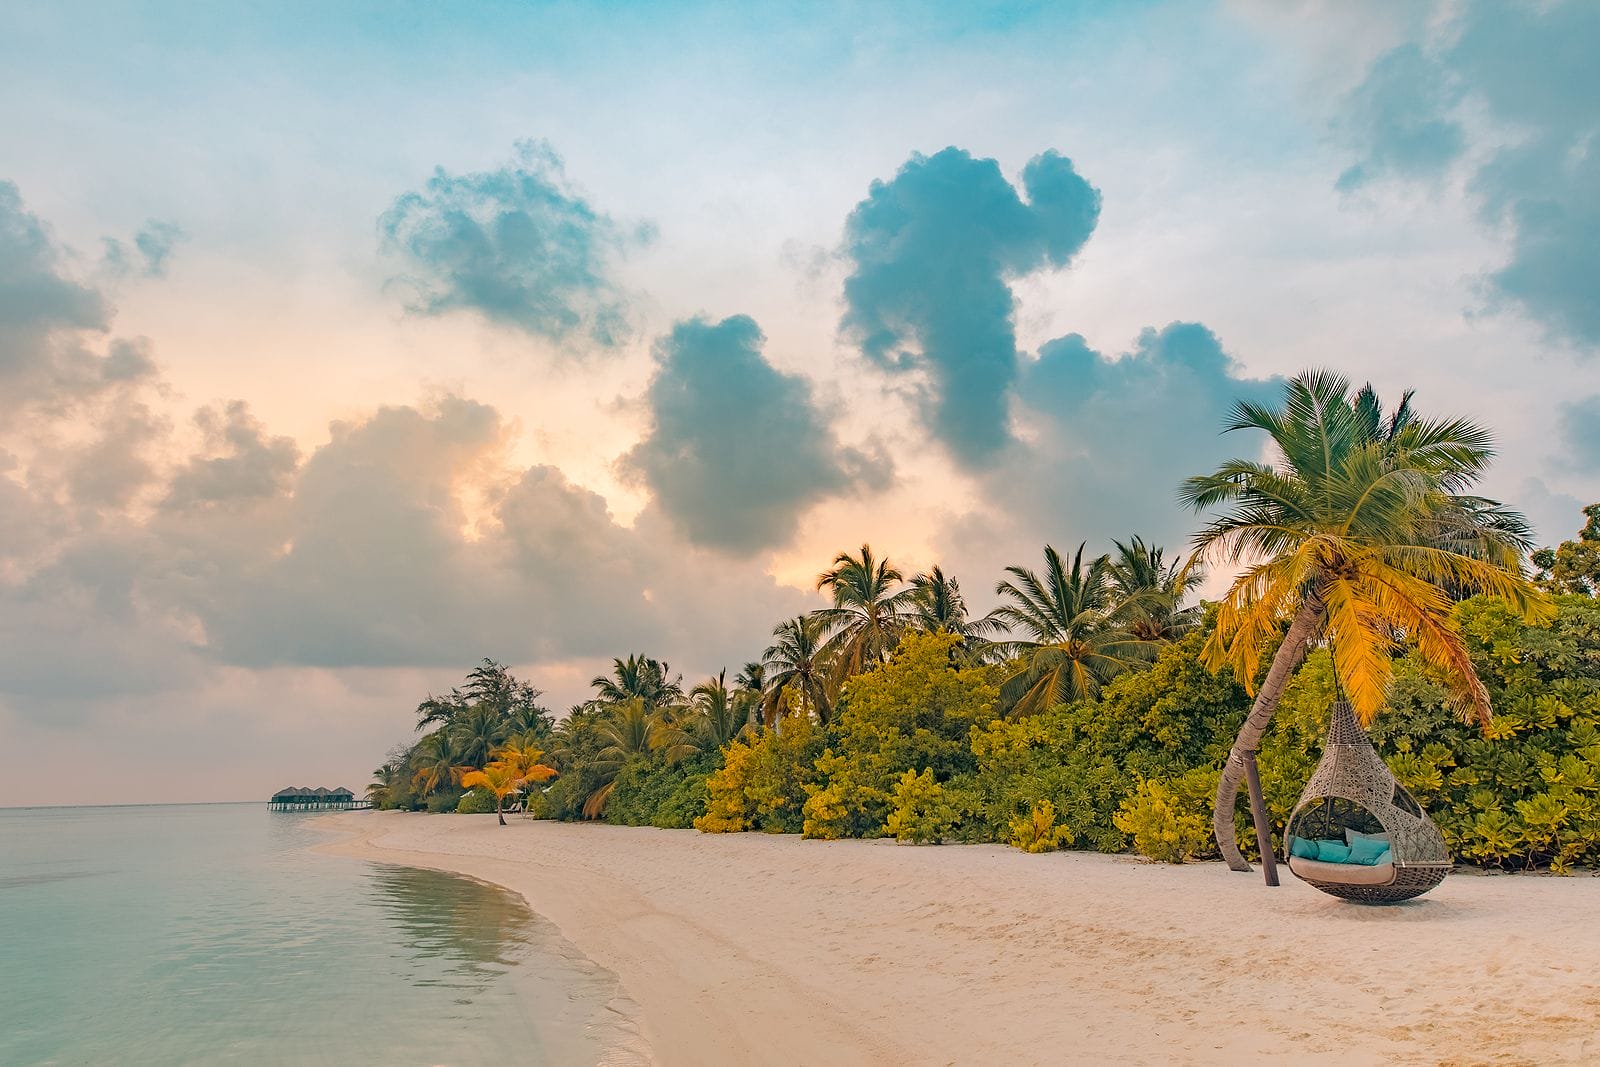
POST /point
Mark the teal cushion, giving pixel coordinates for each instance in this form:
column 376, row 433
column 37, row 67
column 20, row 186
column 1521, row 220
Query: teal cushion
column 1383, row 857
column 1366, row 850
column 1350, row 837
column 1333, row 852
column 1305, row 849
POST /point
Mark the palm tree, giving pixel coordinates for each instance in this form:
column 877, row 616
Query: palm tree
column 868, row 614
column 385, row 785
column 628, row 731
column 937, row 605
column 1358, row 533
column 1074, row 641
column 717, row 715
column 750, row 693
column 795, row 663
column 1151, row 591
column 434, row 764
column 639, row 677
column 475, row 733
column 498, row 779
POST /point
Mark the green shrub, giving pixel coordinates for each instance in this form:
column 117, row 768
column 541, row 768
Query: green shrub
column 919, row 811
column 444, row 800
column 475, row 802
column 1170, row 820
column 1037, row 831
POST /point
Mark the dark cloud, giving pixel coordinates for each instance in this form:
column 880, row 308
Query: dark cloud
column 1580, row 433
column 737, row 450
column 932, row 252
column 1109, row 439
column 1525, row 76
column 240, row 463
column 517, row 245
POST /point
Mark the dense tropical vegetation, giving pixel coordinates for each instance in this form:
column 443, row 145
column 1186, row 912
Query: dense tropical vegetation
column 1099, row 705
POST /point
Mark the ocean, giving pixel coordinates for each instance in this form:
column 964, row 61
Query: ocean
column 209, row 934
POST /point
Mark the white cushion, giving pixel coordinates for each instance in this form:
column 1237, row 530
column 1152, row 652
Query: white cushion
column 1342, row 873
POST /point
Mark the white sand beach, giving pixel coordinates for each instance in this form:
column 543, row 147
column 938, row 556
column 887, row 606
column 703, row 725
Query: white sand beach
column 753, row 949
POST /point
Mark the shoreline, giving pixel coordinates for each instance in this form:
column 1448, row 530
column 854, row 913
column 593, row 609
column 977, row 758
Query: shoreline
column 752, row 948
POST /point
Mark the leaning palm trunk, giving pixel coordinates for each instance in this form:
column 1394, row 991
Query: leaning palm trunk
column 1284, row 663
column 500, row 809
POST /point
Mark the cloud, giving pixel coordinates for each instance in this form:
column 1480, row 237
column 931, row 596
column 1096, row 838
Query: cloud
column 517, row 245
column 152, row 245
column 1401, row 114
column 1518, row 83
column 1110, row 439
column 1580, row 433
column 241, row 462
column 932, row 251
column 737, row 450
column 44, row 317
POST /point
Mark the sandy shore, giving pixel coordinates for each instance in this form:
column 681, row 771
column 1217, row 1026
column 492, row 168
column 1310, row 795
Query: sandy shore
column 749, row 949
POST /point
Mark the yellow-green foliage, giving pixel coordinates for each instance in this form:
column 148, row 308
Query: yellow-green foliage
column 1171, row 820
column 1037, row 831
column 762, row 782
column 919, row 811
column 916, row 711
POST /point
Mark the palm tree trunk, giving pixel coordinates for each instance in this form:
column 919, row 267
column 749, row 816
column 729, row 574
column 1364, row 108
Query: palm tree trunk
column 500, row 809
column 1284, row 662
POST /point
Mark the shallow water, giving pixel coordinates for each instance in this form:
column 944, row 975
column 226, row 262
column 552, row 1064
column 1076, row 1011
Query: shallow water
column 202, row 934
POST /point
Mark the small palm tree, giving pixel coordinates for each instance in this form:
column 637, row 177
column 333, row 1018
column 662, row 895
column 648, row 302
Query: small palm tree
column 795, row 663
column 1151, row 591
column 868, row 614
column 433, row 763
column 498, row 779
column 629, row 731
column 385, row 785
column 716, row 715
column 750, row 692
column 1074, row 643
column 1358, row 533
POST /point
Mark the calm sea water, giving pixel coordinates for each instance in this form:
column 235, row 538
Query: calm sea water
column 209, row 934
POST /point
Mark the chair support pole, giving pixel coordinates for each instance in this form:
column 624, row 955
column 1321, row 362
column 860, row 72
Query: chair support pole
column 1258, row 813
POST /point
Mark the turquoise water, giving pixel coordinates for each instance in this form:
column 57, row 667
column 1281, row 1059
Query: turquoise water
column 209, row 934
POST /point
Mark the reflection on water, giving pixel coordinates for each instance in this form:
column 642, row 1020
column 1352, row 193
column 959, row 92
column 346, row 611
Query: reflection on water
column 210, row 934
column 470, row 933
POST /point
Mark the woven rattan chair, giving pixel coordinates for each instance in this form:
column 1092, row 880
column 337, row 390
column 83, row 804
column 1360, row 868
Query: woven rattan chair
column 1352, row 789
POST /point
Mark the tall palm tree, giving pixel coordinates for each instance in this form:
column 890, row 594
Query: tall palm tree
column 795, row 663
column 1358, row 533
column 868, row 614
column 937, row 605
column 1151, row 591
column 1074, row 641
column 639, row 677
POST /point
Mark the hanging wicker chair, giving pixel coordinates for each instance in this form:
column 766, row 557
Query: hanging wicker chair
column 1353, row 793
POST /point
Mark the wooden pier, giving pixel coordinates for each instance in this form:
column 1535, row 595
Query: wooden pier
column 297, row 798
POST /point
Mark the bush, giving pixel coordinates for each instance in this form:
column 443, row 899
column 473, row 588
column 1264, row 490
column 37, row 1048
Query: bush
column 1170, row 820
column 476, row 802
column 1037, row 831
column 444, row 800
column 762, row 782
column 919, row 811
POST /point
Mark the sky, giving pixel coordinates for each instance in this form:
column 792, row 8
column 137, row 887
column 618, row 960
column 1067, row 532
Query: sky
column 342, row 346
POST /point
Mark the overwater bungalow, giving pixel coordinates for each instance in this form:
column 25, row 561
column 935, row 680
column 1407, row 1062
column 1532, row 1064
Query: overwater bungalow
column 300, row 798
